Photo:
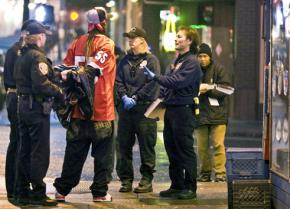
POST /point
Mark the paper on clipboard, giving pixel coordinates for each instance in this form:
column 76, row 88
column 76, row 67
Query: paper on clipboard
column 151, row 111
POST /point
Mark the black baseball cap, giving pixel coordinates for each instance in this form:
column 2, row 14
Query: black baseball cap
column 26, row 23
column 35, row 27
column 135, row 32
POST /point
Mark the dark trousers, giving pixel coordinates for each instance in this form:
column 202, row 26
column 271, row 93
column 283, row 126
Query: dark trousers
column 11, row 103
column 33, row 155
column 81, row 134
column 131, row 123
column 178, row 140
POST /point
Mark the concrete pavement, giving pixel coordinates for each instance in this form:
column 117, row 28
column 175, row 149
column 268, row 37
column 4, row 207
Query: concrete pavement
column 209, row 195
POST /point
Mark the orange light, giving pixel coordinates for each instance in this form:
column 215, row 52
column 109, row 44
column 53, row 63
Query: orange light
column 74, row 15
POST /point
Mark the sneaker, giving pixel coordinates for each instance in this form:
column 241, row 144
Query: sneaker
column 220, row 179
column 204, row 178
column 144, row 187
column 59, row 197
column 170, row 193
column 107, row 198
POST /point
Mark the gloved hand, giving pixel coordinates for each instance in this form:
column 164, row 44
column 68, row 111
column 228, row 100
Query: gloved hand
column 128, row 102
column 149, row 73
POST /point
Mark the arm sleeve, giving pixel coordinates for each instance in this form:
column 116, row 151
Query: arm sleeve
column 150, row 87
column 223, row 77
column 9, row 67
column 120, row 83
column 40, row 83
column 103, row 58
column 182, row 77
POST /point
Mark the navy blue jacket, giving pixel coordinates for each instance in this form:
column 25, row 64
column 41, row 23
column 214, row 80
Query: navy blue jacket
column 181, row 83
column 130, row 79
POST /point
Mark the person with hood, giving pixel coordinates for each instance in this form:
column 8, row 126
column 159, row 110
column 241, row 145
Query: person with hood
column 213, row 117
column 93, row 52
column 136, row 92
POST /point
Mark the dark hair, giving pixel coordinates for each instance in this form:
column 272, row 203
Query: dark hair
column 92, row 34
column 192, row 35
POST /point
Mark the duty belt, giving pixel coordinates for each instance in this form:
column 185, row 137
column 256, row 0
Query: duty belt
column 11, row 90
column 34, row 97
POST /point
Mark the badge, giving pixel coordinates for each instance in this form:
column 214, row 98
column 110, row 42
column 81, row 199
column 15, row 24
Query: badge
column 43, row 68
column 178, row 66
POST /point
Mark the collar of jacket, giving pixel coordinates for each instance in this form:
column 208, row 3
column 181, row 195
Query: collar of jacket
column 31, row 46
column 181, row 57
column 134, row 57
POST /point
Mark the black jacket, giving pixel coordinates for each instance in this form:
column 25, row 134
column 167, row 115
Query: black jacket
column 214, row 74
column 29, row 77
column 10, row 60
column 181, row 83
column 130, row 79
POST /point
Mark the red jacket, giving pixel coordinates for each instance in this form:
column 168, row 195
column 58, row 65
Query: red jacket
column 102, row 57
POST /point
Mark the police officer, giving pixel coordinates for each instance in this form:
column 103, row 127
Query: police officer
column 136, row 92
column 11, row 103
column 180, row 86
column 33, row 75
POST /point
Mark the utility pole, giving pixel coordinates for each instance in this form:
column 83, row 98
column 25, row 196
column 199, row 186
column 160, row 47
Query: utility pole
column 25, row 11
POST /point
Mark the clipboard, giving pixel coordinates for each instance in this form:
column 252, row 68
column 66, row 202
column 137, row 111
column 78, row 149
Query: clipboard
column 156, row 110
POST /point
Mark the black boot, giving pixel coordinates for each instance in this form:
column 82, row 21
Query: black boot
column 43, row 201
column 170, row 193
column 144, row 186
column 126, row 186
column 186, row 194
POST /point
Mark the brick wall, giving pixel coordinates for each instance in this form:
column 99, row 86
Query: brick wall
column 246, row 65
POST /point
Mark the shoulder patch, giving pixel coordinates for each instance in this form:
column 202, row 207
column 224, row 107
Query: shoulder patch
column 43, row 68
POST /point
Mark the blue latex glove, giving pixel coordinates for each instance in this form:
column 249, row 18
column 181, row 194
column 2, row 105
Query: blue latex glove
column 149, row 73
column 128, row 102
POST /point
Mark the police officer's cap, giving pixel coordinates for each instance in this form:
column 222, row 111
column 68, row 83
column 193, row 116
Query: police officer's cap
column 35, row 27
column 26, row 23
column 135, row 32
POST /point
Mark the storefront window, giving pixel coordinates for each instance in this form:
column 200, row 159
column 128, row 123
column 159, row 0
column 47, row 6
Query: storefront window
column 280, row 87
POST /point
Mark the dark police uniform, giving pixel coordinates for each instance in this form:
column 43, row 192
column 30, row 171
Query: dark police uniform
column 132, row 82
column 11, row 103
column 180, row 86
column 33, row 74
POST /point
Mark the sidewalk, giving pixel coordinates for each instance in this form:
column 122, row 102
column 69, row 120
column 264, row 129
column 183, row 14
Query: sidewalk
column 209, row 196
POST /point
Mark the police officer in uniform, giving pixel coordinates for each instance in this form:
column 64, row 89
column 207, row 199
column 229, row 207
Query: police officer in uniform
column 34, row 75
column 11, row 103
column 136, row 93
column 180, row 86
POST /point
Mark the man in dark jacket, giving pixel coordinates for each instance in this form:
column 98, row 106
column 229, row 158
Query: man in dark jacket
column 11, row 103
column 179, row 87
column 213, row 117
column 136, row 92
